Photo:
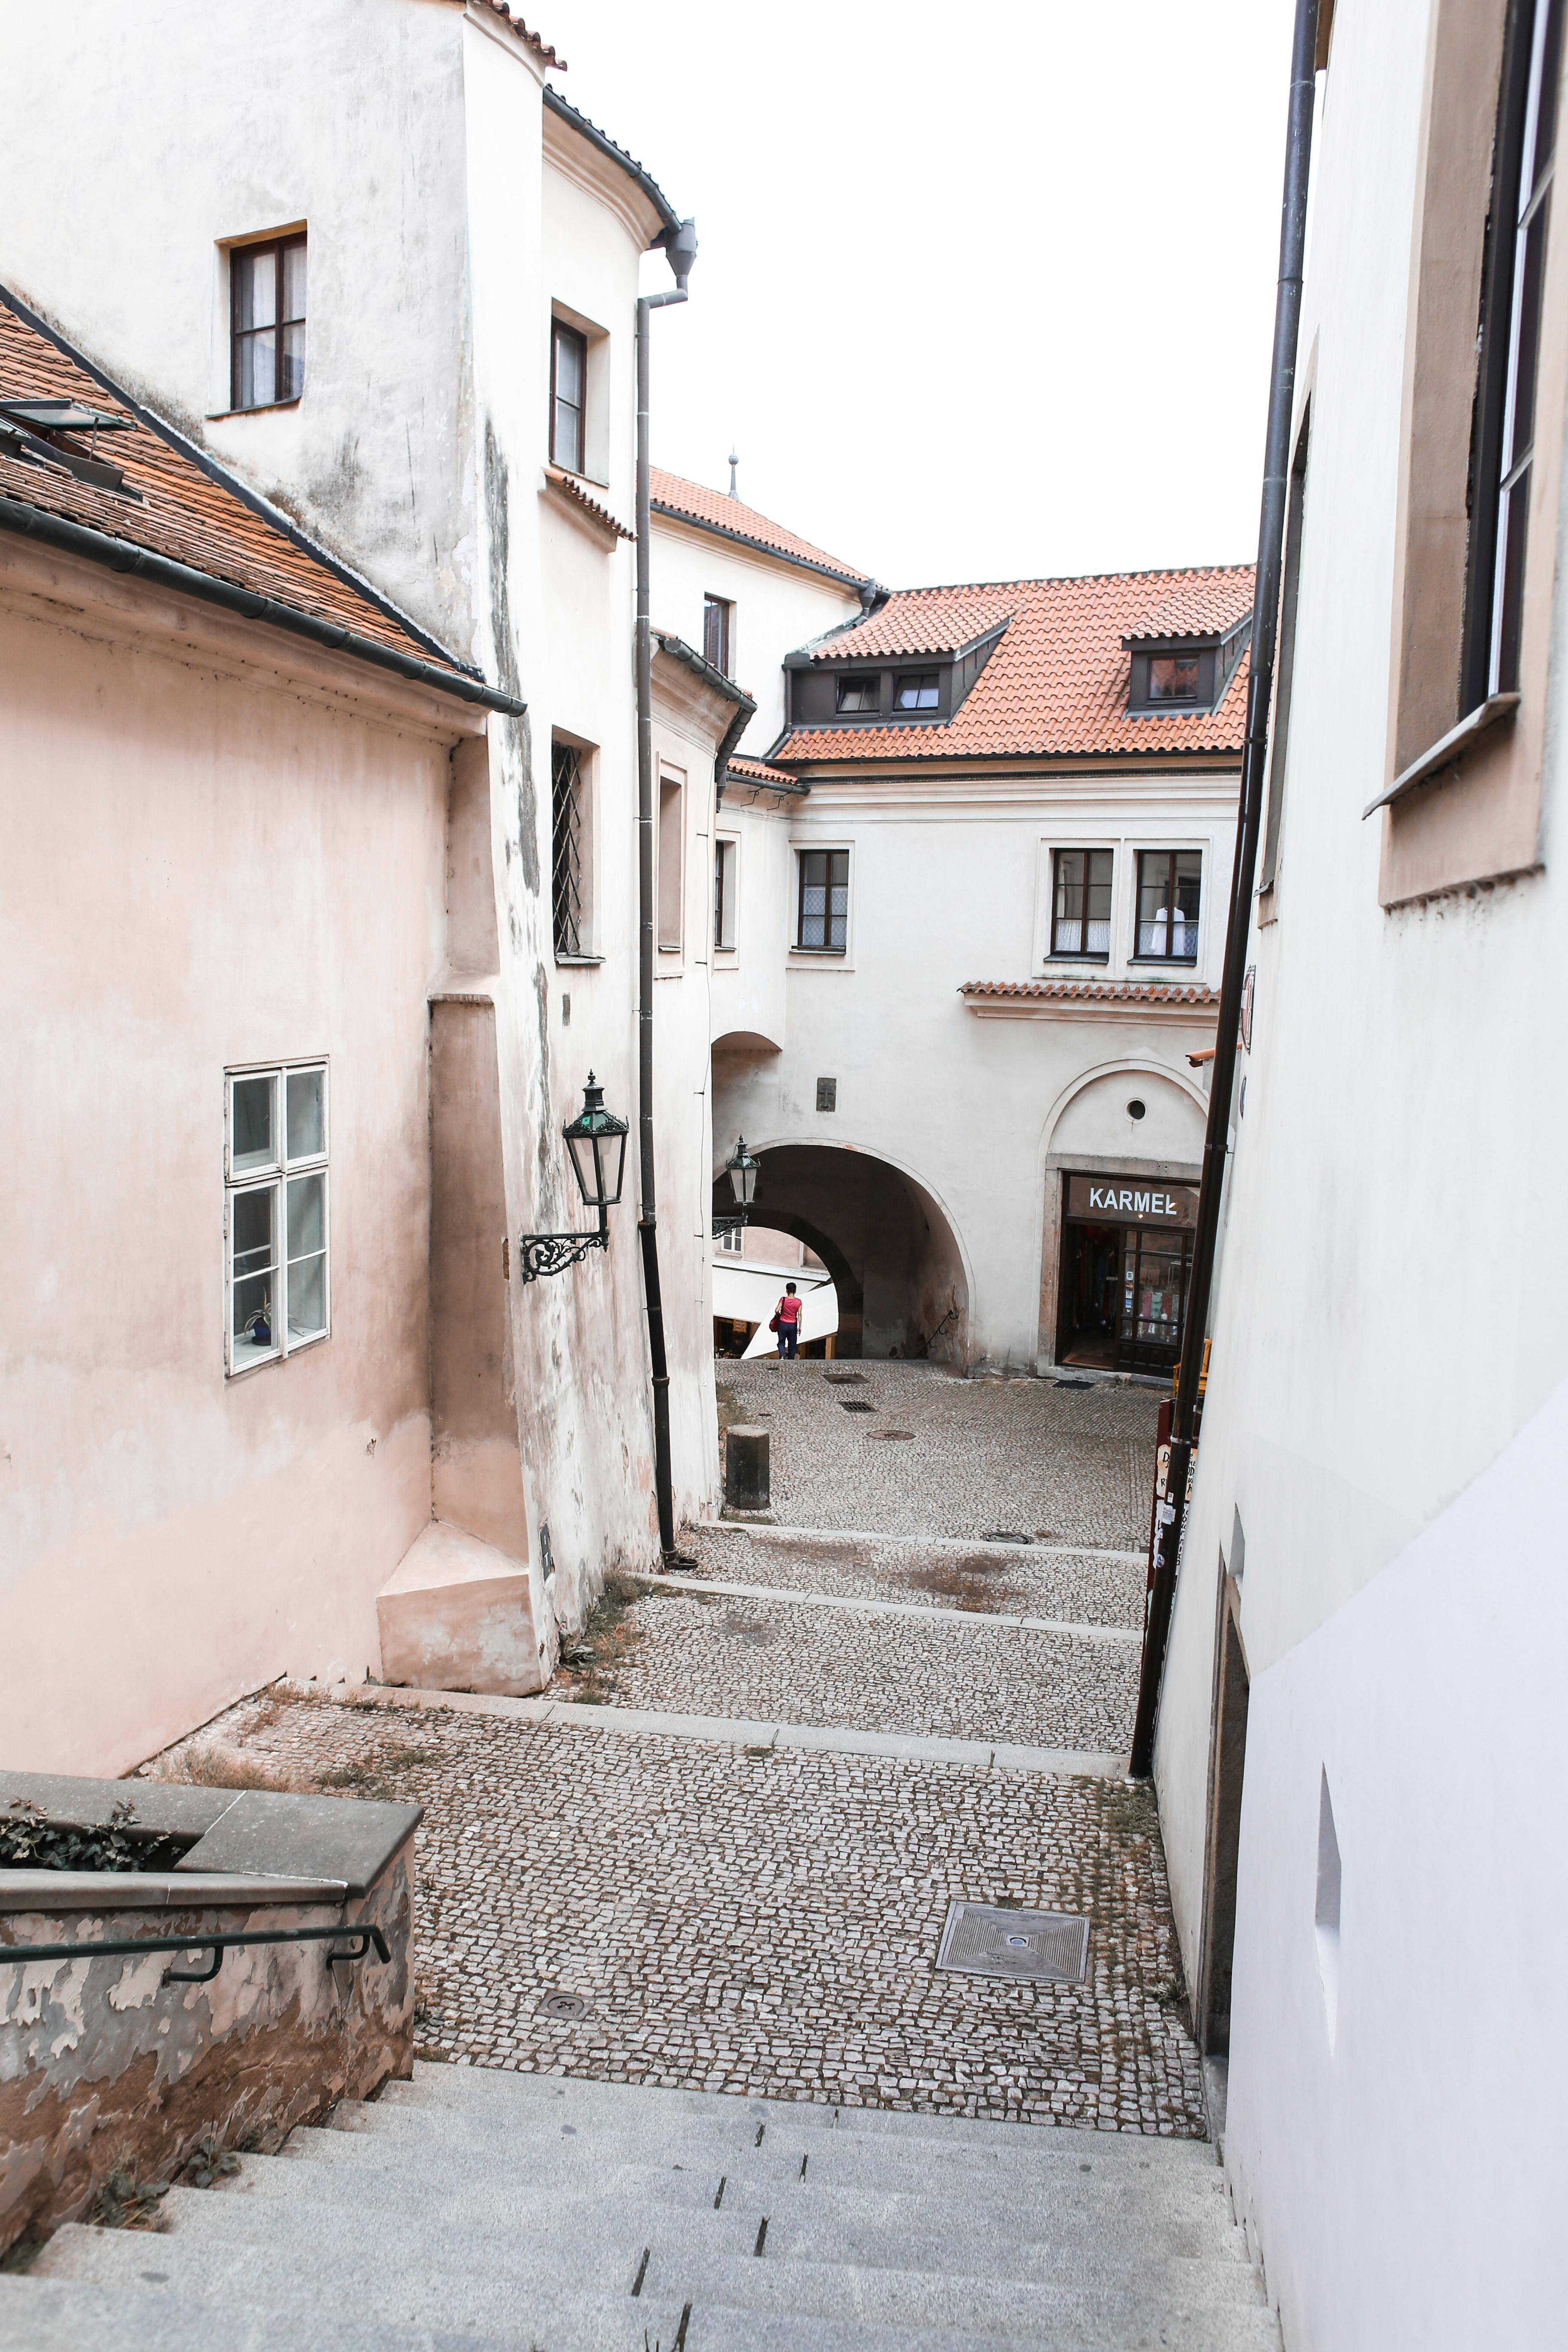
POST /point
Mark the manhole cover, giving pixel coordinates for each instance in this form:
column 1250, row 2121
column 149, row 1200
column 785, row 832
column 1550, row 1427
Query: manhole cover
column 855, row 1405
column 980, row 1940
column 845, row 1379
column 890, row 1433
column 1003, row 1535
column 563, row 2004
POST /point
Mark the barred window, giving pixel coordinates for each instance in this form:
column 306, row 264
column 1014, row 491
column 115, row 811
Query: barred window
column 568, row 878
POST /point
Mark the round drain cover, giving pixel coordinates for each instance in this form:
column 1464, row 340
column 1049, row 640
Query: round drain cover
column 563, row 2004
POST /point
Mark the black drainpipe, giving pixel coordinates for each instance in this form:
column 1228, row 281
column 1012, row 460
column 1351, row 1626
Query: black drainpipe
column 1171, row 1516
column 681, row 246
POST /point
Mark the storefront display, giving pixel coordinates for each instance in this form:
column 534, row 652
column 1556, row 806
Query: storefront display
column 1126, row 1252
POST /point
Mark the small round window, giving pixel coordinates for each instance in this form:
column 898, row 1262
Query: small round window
column 1135, row 1110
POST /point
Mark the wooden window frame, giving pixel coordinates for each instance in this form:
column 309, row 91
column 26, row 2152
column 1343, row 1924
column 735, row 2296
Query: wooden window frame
column 717, row 619
column 277, row 246
column 1149, row 955
column 726, row 890
column 1082, row 954
column 827, row 948
column 1512, row 295
column 560, row 331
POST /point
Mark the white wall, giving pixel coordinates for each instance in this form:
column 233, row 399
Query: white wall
column 139, row 141
column 777, row 607
column 1385, row 1328
column 950, row 882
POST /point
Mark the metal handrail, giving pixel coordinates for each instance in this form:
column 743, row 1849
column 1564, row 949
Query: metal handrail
column 366, row 1938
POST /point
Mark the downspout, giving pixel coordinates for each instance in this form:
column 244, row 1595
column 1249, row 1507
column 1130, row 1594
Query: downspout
column 1171, row 1515
column 681, row 246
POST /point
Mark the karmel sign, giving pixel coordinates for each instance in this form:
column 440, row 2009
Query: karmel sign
column 1126, row 1201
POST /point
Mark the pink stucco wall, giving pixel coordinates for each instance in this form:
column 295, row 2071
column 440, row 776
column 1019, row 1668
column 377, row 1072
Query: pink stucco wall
column 200, row 865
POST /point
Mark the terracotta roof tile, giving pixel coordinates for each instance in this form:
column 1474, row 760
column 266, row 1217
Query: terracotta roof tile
column 757, row 771
column 925, row 621
column 532, row 40
column 1097, row 991
column 1190, row 616
column 574, row 490
column 716, row 512
column 189, row 510
column 1056, row 684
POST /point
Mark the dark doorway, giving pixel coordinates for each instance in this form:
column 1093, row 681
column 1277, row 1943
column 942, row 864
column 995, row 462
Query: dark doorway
column 1092, row 1306
column 1227, row 1764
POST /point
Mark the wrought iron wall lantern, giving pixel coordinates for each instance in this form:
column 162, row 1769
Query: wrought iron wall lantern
column 596, row 1140
column 743, row 1171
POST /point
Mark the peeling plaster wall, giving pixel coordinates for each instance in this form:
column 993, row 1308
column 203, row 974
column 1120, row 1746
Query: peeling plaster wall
column 346, row 119
column 99, row 2059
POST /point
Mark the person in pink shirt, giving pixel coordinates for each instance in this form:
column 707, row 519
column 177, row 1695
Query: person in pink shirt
column 786, row 1321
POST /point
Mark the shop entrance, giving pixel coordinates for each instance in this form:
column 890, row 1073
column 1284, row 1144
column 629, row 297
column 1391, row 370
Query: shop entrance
column 1126, row 1255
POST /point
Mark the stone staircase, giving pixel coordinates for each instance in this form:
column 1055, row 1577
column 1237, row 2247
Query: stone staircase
column 470, row 2208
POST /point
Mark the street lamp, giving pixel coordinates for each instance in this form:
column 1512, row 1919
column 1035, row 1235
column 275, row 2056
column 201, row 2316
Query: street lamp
column 596, row 1140
column 743, row 1171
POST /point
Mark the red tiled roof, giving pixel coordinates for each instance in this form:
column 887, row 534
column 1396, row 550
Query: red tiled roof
column 925, row 621
column 500, row 8
column 713, row 510
column 574, row 490
column 1097, row 991
column 1055, row 683
column 1190, row 616
column 189, row 511
column 757, row 771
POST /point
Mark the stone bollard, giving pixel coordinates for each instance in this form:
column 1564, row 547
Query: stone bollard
column 746, row 1494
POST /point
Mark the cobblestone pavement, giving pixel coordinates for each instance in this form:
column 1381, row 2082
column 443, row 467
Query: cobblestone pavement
column 701, row 1653
column 765, row 1925
column 1080, row 1588
column 1067, row 1464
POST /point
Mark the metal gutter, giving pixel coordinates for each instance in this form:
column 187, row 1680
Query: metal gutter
column 206, row 463
column 1447, row 748
column 591, row 131
column 123, row 555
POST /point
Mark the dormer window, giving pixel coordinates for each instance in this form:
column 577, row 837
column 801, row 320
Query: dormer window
column 859, row 695
column 917, row 691
column 1174, row 678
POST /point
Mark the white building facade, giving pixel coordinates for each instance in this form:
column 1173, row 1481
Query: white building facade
column 1366, row 1666
column 978, row 879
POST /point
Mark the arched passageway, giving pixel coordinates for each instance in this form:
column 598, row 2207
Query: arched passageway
column 895, row 1262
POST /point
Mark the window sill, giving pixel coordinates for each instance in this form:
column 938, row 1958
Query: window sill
column 574, row 961
column 262, row 408
column 830, row 955
column 1447, row 750
column 1165, row 963
column 1075, row 963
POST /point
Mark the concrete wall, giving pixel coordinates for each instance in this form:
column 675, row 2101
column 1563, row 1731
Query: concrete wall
column 950, row 882
column 204, row 866
column 1386, row 1353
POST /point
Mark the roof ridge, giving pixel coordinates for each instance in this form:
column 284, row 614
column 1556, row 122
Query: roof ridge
column 1072, row 578
column 215, row 471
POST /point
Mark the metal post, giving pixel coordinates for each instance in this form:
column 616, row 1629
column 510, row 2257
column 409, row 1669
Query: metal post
column 1169, row 1519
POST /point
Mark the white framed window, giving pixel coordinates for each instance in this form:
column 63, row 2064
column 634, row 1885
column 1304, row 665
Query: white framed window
column 276, row 1221
column 733, row 1241
column 671, row 877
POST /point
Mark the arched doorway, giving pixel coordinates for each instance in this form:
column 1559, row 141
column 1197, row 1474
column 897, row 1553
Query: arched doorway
column 894, row 1258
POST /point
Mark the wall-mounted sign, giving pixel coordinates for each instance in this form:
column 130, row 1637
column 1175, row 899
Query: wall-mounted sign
column 1130, row 1201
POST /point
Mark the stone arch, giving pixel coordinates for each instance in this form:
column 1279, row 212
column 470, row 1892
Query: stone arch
column 895, row 1256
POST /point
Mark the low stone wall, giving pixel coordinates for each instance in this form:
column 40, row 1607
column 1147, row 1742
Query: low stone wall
column 102, row 2064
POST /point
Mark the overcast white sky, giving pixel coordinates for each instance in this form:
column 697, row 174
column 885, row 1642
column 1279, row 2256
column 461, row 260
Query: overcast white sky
column 984, row 292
